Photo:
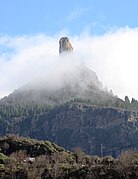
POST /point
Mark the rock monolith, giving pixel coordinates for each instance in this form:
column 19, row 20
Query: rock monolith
column 65, row 45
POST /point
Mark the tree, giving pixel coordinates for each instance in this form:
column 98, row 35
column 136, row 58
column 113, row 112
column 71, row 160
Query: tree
column 127, row 100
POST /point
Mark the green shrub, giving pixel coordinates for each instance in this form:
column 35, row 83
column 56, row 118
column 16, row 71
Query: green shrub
column 2, row 167
column 3, row 158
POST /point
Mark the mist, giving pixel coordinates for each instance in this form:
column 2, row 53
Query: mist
column 113, row 56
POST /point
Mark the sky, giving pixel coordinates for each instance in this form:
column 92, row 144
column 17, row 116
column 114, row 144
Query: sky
column 50, row 17
column 104, row 34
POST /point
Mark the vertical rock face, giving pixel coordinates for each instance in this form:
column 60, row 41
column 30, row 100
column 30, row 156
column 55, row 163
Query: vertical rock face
column 65, row 45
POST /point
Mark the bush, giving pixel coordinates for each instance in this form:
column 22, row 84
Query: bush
column 3, row 158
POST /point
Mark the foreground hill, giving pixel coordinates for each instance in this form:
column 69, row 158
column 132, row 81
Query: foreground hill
column 25, row 158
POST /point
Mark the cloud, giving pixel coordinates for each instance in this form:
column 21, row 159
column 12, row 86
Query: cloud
column 76, row 13
column 115, row 59
column 113, row 56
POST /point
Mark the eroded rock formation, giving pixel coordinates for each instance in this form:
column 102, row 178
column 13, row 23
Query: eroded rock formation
column 65, row 45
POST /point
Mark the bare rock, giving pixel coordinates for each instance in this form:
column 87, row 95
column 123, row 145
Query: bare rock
column 65, row 45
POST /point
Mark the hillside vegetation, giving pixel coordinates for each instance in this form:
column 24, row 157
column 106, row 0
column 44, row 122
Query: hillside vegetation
column 73, row 124
column 77, row 112
column 25, row 158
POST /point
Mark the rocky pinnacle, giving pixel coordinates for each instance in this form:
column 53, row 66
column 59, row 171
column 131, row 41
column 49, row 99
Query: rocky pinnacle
column 65, row 45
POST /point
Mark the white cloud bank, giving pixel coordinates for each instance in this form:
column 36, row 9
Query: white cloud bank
column 113, row 56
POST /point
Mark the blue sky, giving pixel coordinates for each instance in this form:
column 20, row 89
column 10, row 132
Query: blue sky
column 19, row 17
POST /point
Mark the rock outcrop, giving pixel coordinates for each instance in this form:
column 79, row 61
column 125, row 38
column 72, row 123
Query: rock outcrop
column 65, row 45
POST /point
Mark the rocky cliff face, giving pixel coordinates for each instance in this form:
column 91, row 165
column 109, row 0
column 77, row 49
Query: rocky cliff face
column 87, row 127
column 65, row 45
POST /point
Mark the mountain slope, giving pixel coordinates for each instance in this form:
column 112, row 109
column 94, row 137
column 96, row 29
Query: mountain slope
column 80, row 83
column 76, row 112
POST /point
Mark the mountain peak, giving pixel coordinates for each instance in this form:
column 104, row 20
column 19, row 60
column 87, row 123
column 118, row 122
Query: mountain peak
column 65, row 45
